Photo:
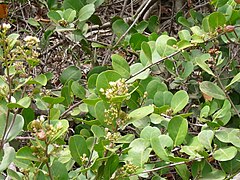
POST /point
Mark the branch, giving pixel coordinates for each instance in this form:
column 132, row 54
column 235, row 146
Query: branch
column 134, row 22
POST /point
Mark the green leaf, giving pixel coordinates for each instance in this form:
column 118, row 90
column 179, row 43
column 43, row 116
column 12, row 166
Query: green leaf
column 12, row 39
column 183, row 171
column 119, row 27
column 111, row 166
column 205, row 137
column 150, row 132
column 86, row 12
column 136, row 41
column 147, row 51
column 70, row 73
column 206, row 24
column 54, row 114
column 140, row 113
column 22, row 103
column 212, row 90
column 69, row 15
column 162, row 98
column 105, row 77
column 120, row 65
column 179, row 101
column 97, row 131
column 74, row 4
column 225, row 153
column 26, row 153
column 14, row 126
column 41, row 79
column 66, row 94
column 177, row 129
column 33, row 22
column 14, row 175
column 139, row 152
column 78, row 147
column 165, row 44
column 234, row 137
column 155, row 86
column 201, row 62
column 54, row 16
column 134, row 69
column 231, row 166
column 234, row 80
column 59, row 170
column 162, row 146
column 184, row 35
column 182, row 20
column 53, row 100
column 62, row 126
column 216, row 19
column 223, row 135
column 8, row 157
column 78, row 90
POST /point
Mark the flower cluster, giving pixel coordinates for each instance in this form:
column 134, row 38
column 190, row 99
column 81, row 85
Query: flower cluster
column 31, row 40
column 5, row 26
column 113, row 136
column 111, row 114
column 117, row 88
column 126, row 170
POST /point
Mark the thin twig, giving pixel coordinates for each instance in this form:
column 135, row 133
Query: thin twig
column 69, row 109
column 134, row 22
column 171, row 165
column 227, row 96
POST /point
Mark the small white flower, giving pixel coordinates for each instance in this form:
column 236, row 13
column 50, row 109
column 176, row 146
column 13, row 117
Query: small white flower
column 111, row 83
column 41, row 118
column 6, row 26
column 31, row 39
column 101, row 90
column 59, row 125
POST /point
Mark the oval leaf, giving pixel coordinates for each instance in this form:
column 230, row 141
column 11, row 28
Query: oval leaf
column 225, row 153
column 120, row 65
column 179, row 101
column 177, row 129
column 78, row 147
column 212, row 90
column 86, row 12
column 205, row 137
column 71, row 73
column 140, row 113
